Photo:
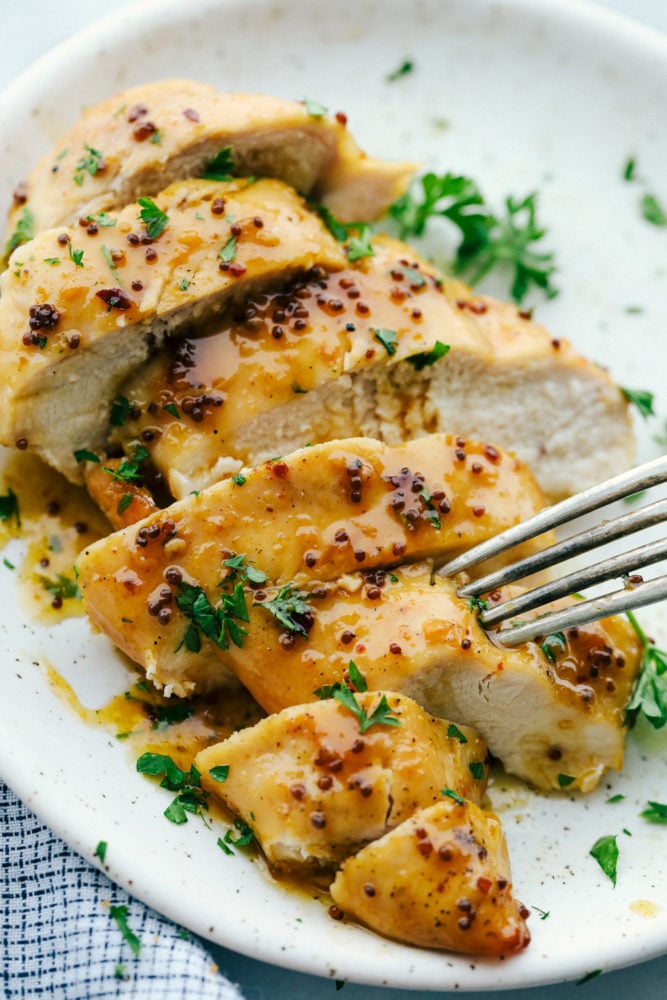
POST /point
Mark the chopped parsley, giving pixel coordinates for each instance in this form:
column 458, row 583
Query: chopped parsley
column 101, row 850
column 244, row 839
column 404, row 69
column 564, row 780
column 220, row 773
column 477, row 604
column 75, row 255
column 124, row 503
column 451, row 794
column 62, row 588
column 453, row 732
column 290, row 609
column 129, row 470
column 102, row 219
column 238, row 564
column 221, row 167
column 228, row 252
column 184, row 285
column 544, row 914
column 650, row 694
column 239, row 479
column 90, row 164
column 23, row 231
column 9, row 507
column 642, row 399
column 614, row 798
column 52, row 261
column 191, row 797
column 314, row 108
column 427, row 358
column 119, row 914
column 388, row 339
column 605, row 852
column 120, row 411
column 486, row 240
column 156, row 137
column 553, row 644
column 173, row 409
column 629, row 169
column 83, row 455
column 153, row 217
column 652, row 211
column 476, row 768
column 382, row 714
column 219, row 623
column 360, row 246
column 655, row 812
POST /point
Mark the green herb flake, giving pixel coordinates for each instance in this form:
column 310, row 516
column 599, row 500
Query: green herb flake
column 156, row 764
column 339, row 230
column 228, row 251
column 153, row 217
column 290, row 609
column 553, row 644
column 476, row 768
column 7, row 563
column 453, row 732
column 640, row 398
column 23, row 231
column 62, row 588
column 652, row 210
column 156, row 137
column 655, row 812
column 239, row 479
column 124, row 503
column 427, row 358
column 221, row 167
column 119, row 914
column 298, row 391
column 119, row 971
column 388, row 338
column 543, row 914
column 477, row 604
column 52, row 261
column 587, row 978
column 404, row 69
column 101, row 851
column 173, row 409
column 184, row 285
column 650, row 693
column 613, row 799
column 75, row 255
column 564, row 780
column 244, row 839
column 55, row 545
column 360, row 246
column 382, row 714
column 451, row 794
column 120, row 411
column 90, row 164
column 356, row 677
column 218, row 623
column 102, row 219
column 9, row 507
column 220, row 773
column 629, row 169
column 605, row 852
column 314, row 108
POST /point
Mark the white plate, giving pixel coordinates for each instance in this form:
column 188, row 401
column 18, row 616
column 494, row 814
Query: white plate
column 549, row 96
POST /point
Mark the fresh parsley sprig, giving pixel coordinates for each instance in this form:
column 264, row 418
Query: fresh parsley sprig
column 650, row 694
column 290, row 609
column 191, row 797
column 219, row 623
column 382, row 714
column 153, row 217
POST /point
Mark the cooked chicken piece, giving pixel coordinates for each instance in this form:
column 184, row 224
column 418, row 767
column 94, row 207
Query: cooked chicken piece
column 305, row 519
column 439, row 880
column 82, row 310
column 377, row 349
column 314, row 786
column 139, row 141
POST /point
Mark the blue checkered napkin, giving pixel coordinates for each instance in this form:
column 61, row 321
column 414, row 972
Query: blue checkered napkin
column 58, row 937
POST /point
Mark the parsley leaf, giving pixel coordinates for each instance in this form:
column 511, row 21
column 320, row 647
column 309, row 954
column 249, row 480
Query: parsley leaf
column 101, row 850
column 382, row 714
column 244, row 839
column 564, row 780
column 650, row 694
column 388, row 339
column 153, row 217
column 427, row 358
column 406, row 67
column 102, row 219
column 453, row 732
column 655, row 812
column 239, row 479
column 476, row 768
column 90, row 164
column 290, row 609
column 23, row 231
column 221, row 167
column 652, row 211
column 119, row 914
column 62, row 587
column 124, row 503
column 228, row 252
column 605, row 852
column 552, row 644
column 219, row 623
column 477, row 604
column 451, row 794
column 220, row 773
column 640, row 398
column 360, row 246
column 83, row 455
column 9, row 507
column 75, row 255
column 120, row 411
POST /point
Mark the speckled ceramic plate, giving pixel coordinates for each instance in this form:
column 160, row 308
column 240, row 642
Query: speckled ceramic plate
column 550, row 96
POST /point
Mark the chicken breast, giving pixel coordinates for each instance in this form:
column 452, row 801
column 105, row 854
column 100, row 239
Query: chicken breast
column 81, row 309
column 315, row 782
column 303, row 520
column 141, row 140
column 439, row 880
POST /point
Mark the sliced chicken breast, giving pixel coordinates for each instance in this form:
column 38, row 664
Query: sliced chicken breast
column 141, row 140
column 314, row 786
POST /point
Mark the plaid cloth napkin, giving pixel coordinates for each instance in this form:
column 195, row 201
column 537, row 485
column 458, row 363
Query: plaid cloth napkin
column 58, row 937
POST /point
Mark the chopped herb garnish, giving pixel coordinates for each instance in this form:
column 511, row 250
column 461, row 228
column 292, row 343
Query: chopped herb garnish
column 102, row 219
column 406, row 67
column 564, row 780
column 62, row 587
column 356, row 677
column 652, row 210
column 119, row 971
column 23, row 231
column 218, row 623
column 239, row 479
column 587, row 978
column 244, row 839
column 451, row 794
column 382, row 714
column 650, row 694
column 156, row 137
column 124, row 503
column 476, row 768
column 9, row 507
column 127, row 472
column 360, row 246
column 297, row 390
column 314, row 108
column 427, row 358
column 453, row 732
column 655, row 812
column 101, row 850
column 477, row 604
column 388, row 338
column 89, row 164
column 629, row 169
column 191, row 797
column 153, row 217
column 614, row 798
column 120, row 411
column 220, row 773
column 239, row 564
column 605, row 852
column 75, row 255
column 553, row 644
column 228, row 252
column 640, row 398
column 543, row 913
column 52, row 261
column 290, row 609
column 119, row 914
column 173, row 409
column 184, row 285
column 221, row 167
column 7, row 563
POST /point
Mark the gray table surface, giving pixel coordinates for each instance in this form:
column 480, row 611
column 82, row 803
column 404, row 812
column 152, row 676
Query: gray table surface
column 29, row 30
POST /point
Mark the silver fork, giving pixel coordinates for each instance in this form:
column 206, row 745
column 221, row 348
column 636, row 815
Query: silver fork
column 634, row 591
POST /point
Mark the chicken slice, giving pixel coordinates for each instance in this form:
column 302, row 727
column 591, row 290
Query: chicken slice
column 439, row 880
column 139, row 141
column 314, row 786
column 385, row 349
column 81, row 310
column 306, row 519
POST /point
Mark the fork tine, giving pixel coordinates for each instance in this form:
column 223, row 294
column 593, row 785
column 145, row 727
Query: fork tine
column 585, row 611
column 606, row 531
column 640, row 478
column 607, row 569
